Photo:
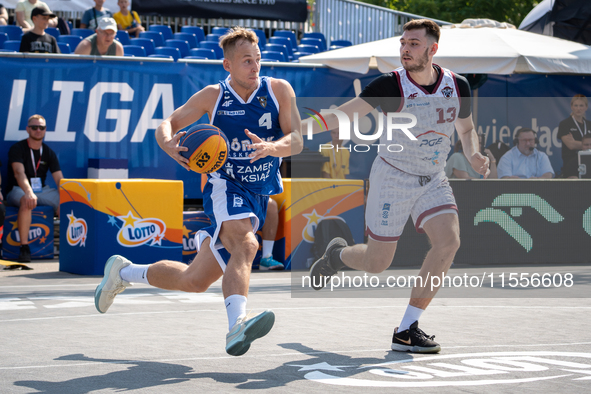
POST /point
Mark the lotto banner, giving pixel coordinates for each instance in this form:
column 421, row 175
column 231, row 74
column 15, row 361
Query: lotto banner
column 40, row 234
column 140, row 219
column 306, row 202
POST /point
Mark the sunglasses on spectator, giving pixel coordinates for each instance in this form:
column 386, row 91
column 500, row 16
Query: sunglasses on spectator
column 36, row 127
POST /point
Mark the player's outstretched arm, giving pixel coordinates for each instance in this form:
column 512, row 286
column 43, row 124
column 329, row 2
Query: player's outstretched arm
column 355, row 106
column 470, row 145
column 167, row 134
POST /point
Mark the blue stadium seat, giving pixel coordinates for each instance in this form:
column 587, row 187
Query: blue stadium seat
column 319, row 36
column 313, row 41
column 272, row 56
column 283, row 41
column 165, row 30
column 190, row 38
column 72, row 40
column 14, row 32
column 195, row 57
column 7, row 50
column 219, row 52
column 155, row 36
column 308, row 48
column 123, row 37
column 202, row 52
column 134, row 50
column 53, row 31
column 278, row 48
column 147, row 43
column 220, row 30
column 262, row 38
column 198, row 31
column 213, row 37
column 64, row 47
column 297, row 55
column 3, row 38
column 81, row 32
column 341, row 43
column 161, row 56
column 289, row 34
column 182, row 45
column 12, row 45
column 169, row 51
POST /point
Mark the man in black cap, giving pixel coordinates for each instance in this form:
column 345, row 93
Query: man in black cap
column 37, row 40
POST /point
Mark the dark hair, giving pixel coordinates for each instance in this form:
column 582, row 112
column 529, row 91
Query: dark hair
column 523, row 130
column 432, row 29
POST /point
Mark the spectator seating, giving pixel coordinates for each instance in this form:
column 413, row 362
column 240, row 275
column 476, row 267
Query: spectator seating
column 278, row 48
column 203, row 53
column 81, row 32
column 155, row 36
column 219, row 52
column 169, row 51
column 134, row 50
column 190, row 38
column 341, row 43
column 312, row 49
column 182, row 45
column 14, row 32
column 72, row 40
column 12, row 45
column 298, row 55
column 123, row 37
column 220, row 30
column 283, row 41
column 272, row 56
column 164, row 29
column 3, row 38
column 7, row 50
column 198, row 31
column 289, row 34
column 54, row 31
column 213, row 37
column 195, row 57
column 313, row 41
column 147, row 43
column 161, row 56
column 262, row 38
column 64, row 47
column 319, row 36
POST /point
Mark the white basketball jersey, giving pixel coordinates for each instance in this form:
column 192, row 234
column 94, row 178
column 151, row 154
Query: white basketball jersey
column 435, row 114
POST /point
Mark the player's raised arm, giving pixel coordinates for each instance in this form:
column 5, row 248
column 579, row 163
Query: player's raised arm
column 167, row 134
column 355, row 106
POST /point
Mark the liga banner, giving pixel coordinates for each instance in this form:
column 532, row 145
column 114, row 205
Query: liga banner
column 140, row 219
column 284, row 10
column 306, row 202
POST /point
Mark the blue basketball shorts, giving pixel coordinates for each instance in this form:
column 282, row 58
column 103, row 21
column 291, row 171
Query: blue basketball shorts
column 226, row 200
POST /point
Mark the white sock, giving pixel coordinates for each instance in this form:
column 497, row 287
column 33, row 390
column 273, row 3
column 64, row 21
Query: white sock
column 267, row 248
column 135, row 273
column 411, row 315
column 235, row 307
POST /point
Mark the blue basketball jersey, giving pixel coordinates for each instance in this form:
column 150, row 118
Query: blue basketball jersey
column 260, row 115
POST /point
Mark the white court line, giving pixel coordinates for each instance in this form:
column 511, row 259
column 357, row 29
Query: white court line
column 288, row 309
column 261, row 356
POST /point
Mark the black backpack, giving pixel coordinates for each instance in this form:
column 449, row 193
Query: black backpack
column 327, row 230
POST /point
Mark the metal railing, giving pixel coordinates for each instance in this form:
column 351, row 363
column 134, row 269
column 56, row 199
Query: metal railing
column 359, row 22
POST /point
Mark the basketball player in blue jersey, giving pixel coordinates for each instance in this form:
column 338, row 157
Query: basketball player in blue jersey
column 261, row 121
column 413, row 180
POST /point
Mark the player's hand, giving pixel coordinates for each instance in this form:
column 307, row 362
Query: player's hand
column 172, row 148
column 261, row 148
column 480, row 164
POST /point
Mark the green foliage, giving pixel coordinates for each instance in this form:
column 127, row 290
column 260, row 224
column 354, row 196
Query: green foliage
column 455, row 11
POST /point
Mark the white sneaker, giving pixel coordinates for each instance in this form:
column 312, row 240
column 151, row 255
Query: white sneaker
column 112, row 284
column 246, row 330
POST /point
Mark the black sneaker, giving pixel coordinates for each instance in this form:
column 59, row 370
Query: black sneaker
column 414, row 340
column 25, row 254
column 323, row 268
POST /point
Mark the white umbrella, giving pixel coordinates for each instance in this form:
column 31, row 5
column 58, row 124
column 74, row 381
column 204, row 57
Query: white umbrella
column 482, row 50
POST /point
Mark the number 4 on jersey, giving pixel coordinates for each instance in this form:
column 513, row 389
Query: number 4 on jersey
column 265, row 120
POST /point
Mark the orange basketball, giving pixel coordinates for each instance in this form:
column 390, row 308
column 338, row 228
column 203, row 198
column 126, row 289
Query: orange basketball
column 208, row 148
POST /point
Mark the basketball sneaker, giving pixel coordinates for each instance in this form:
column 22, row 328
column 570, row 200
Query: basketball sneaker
column 327, row 265
column 246, row 330
column 269, row 263
column 112, row 284
column 414, row 340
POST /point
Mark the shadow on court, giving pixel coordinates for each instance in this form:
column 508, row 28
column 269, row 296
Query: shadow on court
column 145, row 374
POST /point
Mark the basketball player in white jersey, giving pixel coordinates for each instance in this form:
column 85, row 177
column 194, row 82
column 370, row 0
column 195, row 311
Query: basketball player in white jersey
column 261, row 121
column 411, row 181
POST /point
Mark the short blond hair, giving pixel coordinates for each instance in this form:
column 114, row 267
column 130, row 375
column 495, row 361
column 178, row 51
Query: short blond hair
column 228, row 41
column 36, row 117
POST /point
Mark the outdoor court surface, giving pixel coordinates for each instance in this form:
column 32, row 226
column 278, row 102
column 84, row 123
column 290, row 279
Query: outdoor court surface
column 52, row 340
